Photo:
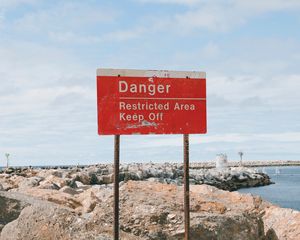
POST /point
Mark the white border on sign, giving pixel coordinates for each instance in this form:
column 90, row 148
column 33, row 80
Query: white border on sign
column 149, row 73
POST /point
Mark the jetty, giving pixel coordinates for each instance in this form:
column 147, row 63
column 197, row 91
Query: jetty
column 251, row 164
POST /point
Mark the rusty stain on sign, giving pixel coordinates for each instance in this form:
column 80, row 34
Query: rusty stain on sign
column 143, row 123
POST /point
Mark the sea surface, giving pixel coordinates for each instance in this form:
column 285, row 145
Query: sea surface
column 286, row 190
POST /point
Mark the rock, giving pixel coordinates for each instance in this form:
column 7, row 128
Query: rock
column 81, row 186
column 51, row 224
column 89, row 200
column 171, row 216
column 227, row 179
column 30, row 182
column 54, row 196
column 69, row 190
column 151, row 210
column 156, row 212
column 58, row 173
column 1, row 187
column 107, row 179
column 9, row 170
column 9, row 210
column 45, row 173
column 10, row 182
column 280, row 223
column 53, row 180
column 93, row 179
column 47, row 185
column 82, row 177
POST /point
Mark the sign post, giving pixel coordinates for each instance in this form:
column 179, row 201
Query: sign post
column 116, row 186
column 151, row 102
column 186, row 179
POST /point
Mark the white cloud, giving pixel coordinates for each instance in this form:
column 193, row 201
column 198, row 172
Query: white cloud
column 15, row 3
column 221, row 15
column 210, row 50
column 64, row 17
column 267, row 5
column 113, row 36
column 254, row 5
column 35, row 100
column 277, row 92
column 25, row 65
column 211, row 17
column 124, row 35
column 71, row 37
column 235, row 138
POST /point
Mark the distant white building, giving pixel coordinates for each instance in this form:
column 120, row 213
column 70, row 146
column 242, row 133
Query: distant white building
column 221, row 161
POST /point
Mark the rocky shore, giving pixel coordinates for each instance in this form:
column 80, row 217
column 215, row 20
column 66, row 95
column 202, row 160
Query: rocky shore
column 148, row 210
column 77, row 203
column 227, row 179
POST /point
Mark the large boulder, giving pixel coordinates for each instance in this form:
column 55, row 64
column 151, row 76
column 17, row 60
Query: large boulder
column 54, row 196
column 10, row 181
column 53, row 182
column 152, row 210
column 38, row 222
column 9, row 210
column 50, row 222
column 88, row 200
column 281, row 223
column 30, row 182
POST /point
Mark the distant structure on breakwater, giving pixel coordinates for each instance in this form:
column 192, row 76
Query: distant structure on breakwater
column 275, row 163
column 221, row 161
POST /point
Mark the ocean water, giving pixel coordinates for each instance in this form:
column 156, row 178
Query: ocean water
column 286, row 190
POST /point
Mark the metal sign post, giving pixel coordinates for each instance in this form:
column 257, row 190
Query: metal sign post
column 186, row 179
column 116, row 186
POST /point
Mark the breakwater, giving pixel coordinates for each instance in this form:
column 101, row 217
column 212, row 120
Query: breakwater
column 171, row 173
column 270, row 163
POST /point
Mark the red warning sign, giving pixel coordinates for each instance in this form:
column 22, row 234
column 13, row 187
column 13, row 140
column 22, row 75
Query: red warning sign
column 151, row 102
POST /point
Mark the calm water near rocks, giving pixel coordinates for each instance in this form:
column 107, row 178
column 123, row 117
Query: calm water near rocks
column 286, row 190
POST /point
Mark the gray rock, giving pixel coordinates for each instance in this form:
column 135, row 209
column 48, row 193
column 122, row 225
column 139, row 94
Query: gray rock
column 30, row 182
column 9, row 210
column 82, row 186
column 69, row 190
column 107, row 179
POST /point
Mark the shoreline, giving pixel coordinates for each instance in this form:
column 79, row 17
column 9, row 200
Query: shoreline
column 251, row 164
column 193, row 165
column 230, row 178
column 63, row 202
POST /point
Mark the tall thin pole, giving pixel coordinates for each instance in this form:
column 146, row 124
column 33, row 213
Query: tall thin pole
column 186, row 187
column 116, row 186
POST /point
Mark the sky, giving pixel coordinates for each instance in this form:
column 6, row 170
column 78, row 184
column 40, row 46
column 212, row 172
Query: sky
column 50, row 50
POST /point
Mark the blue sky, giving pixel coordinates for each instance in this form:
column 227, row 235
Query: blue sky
column 50, row 50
